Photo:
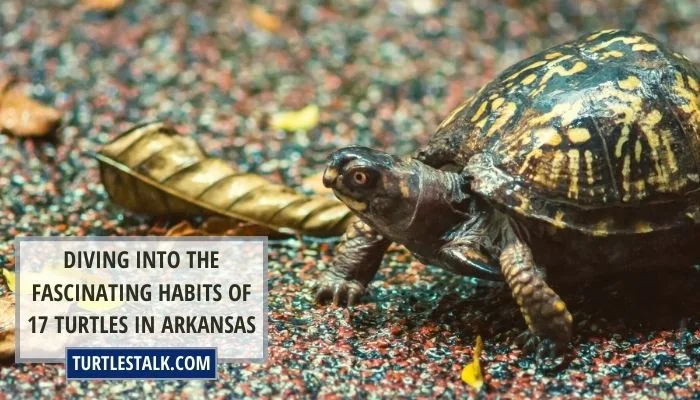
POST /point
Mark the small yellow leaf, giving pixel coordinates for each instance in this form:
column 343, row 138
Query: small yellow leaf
column 471, row 374
column 314, row 183
column 9, row 279
column 264, row 20
column 102, row 5
column 302, row 120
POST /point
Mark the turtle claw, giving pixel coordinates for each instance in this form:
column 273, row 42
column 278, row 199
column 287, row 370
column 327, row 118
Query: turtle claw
column 339, row 291
column 545, row 350
column 527, row 342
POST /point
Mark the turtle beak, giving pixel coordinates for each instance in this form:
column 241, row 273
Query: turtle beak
column 338, row 160
column 329, row 176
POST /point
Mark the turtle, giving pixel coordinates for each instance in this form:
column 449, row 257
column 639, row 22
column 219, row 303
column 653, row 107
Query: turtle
column 580, row 161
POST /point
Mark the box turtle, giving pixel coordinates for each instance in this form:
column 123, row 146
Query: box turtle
column 583, row 159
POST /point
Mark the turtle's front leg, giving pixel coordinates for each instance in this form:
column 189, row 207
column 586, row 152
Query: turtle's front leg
column 547, row 318
column 357, row 259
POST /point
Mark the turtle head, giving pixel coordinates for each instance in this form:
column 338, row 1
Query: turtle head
column 381, row 188
column 389, row 193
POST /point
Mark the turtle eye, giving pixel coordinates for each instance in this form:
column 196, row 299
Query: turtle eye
column 362, row 177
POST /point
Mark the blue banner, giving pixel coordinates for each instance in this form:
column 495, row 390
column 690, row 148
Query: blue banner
column 140, row 363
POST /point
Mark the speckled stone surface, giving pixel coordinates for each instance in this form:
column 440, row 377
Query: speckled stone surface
column 383, row 73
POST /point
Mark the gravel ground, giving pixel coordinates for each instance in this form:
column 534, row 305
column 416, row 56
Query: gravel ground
column 383, row 73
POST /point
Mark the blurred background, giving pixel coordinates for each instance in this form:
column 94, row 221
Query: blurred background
column 382, row 74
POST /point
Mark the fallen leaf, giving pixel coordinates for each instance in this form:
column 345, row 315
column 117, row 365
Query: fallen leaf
column 216, row 225
column 184, row 181
column 264, row 20
column 301, row 120
column 7, row 329
column 5, row 83
column 471, row 373
column 9, row 279
column 314, row 183
column 102, row 5
column 250, row 229
column 24, row 117
column 184, row 228
column 219, row 226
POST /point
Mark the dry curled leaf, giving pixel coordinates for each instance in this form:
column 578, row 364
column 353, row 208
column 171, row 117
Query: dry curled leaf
column 315, row 184
column 184, row 228
column 151, row 169
column 471, row 373
column 218, row 226
column 9, row 279
column 301, row 120
column 102, row 5
column 264, row 20
column 24, row 117
column 7, row 329
column 6, row 82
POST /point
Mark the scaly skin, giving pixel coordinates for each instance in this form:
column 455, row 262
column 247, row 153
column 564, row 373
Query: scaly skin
column 525, row 165
column 357, row 258
column 547, row 318
column 434, row 215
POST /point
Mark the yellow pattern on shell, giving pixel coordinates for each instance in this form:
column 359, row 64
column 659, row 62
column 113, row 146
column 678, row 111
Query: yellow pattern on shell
column 638, row 151
column 567, row 111
column 558, row 164
column 578, row 135
column 626, row 179
column 456, row 111
column 588, row 156
column 529, row 79
column 693, row 84
column 561, row 71
column 612, row 53
column 648, row 124
column 644, row 47
column 573, row 173
column 630, row 83
column 534, row 154
column 623, row 39
column 670, row 157
column 600, row 33
column 529, row 67
column 479, row 111
column 693, row 101
column 506, row 115
column 548, row 136
column 552, row 56
column 497, row 103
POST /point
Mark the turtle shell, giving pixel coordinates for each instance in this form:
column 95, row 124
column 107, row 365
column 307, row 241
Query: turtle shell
column 601, row 134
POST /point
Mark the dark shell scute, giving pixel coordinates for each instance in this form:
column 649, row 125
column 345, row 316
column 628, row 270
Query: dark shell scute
column 608, row 122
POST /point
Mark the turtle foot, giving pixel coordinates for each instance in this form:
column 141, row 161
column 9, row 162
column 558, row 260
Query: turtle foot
column 338, row 291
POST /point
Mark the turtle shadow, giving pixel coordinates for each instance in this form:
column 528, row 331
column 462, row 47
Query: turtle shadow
column 646, row 302
column 624, row 304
